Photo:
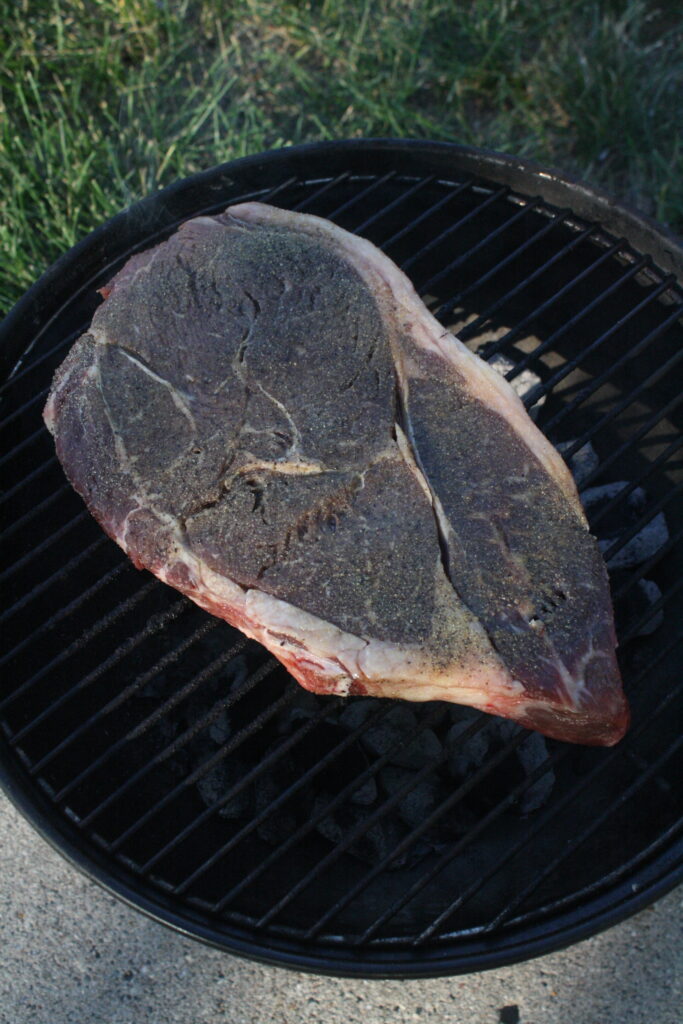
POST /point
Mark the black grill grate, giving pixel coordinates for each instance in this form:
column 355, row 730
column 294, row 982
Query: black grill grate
column 178, row 762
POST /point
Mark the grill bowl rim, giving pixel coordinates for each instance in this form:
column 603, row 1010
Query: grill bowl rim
column 653, row 879
column 658, row 873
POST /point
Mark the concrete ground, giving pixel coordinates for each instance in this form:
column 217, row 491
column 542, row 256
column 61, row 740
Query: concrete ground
column 71, row 954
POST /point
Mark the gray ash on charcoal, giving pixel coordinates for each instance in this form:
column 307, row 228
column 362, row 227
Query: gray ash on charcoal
column 632, row 608
column 613, row 511
column 387, row 761
column 582, row 463
column 522, row 383
column 409, row 756
column 376, row 841
column 612, row 519
column 625, row 515
column 396, row 734
column 474, row 738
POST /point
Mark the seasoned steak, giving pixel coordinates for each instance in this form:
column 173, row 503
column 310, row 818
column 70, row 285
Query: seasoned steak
column 265, row 415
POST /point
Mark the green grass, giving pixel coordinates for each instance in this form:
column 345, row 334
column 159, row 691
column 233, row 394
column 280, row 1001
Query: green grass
column 104, row 101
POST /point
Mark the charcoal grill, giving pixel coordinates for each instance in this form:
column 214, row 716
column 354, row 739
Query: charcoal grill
column 179, row 766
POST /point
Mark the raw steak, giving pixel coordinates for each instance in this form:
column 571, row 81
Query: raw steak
column 265, row 415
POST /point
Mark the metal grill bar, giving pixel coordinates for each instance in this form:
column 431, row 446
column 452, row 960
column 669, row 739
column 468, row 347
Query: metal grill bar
column 41, row 548
column 22, row 445
column 318, row 816
column 429, row 821
column 305, row 829
column 388, row 805
column 433, row 242
column 649, row 424
column 23, row 408
column 645, row 568
column 154, row 625
column 520, row 327
column 417, row 187
column 141, row 680
column 434, row 208
column 649, row 514
column 522, row 212
column 231, row 745
column 325, row 187
column 59, row 574
column 650, row 612
column 251, row 776
column 350, row 203
column 267, row 194
column 583, row 836
column 496, row 812
column 120, row 698
column 540, row 825
column 36, row 511
column 630, row 487
column 638, row 435
column 247, row 779
column 209, row 671
column 447, row 308
column 452, row 851
column 549, row 341
column 86, row 287
column 643, row 855
column 615, row 875
column 36, row 363
column 269, row 761
column 64, row 612
column 541, row 389
column 471, row 329
column 28, row 479
column 379, row 713
column 103, row 623
column 602, row 378
column 259, row 195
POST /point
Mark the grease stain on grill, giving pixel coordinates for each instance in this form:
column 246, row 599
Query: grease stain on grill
column 222, row 793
